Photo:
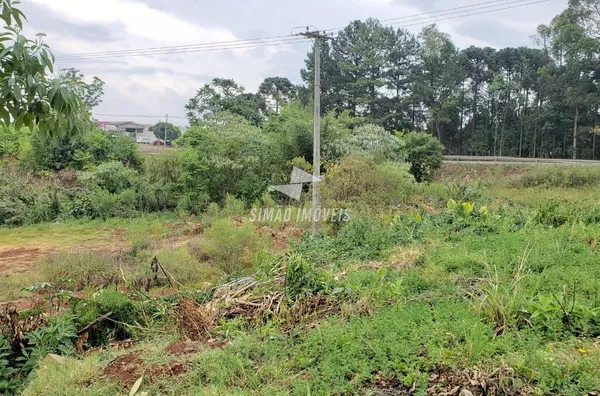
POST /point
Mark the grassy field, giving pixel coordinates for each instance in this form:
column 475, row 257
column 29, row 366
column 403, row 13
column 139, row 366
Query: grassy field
column 485, row 281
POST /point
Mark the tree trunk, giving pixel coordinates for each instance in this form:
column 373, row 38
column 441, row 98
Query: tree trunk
column 594, row 147
column 473, row 124
column 440, row 131
column 575, row 131
column 495, row 127
column 504, row 121
column 523, row 117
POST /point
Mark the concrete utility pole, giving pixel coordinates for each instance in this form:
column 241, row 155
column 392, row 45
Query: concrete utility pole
column 166, row 129
column 317, row 36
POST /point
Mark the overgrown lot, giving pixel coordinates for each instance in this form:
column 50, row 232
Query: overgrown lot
column 481, row 281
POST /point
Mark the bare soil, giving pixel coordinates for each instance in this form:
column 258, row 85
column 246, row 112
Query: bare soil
column 18, row 260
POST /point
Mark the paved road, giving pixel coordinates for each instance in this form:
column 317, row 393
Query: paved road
column 465, row 159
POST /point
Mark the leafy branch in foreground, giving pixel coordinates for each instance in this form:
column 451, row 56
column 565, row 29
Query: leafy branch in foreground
column 30, row 97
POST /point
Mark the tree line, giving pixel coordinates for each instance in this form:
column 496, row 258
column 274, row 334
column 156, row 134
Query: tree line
column 525, row 102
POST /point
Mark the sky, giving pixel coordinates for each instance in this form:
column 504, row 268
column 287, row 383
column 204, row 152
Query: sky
column 154, row 86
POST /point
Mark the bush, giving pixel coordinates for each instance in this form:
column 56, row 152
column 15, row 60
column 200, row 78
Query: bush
column 231, row 246
column 186, row 268
column 361, row 181
column 79, row 152
column 301, row 279
column 374, row 142
column 112, row 176
column 164, row 168
column 424, row 153
column 226, row 155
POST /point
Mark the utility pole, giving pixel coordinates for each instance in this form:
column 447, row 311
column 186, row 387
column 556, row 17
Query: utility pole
column 166, row 129
column 317, row 36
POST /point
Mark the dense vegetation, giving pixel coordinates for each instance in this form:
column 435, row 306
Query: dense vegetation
column 529, row 102
column 489, row 270
column 152, row 277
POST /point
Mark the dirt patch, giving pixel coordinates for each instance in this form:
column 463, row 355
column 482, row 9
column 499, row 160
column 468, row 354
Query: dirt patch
column 186, row 348
column 172, row 370
column 281, row 237
column 194, row 229
column 125, row 369
column 182, row 348
column 20, row 260
column 469, row 382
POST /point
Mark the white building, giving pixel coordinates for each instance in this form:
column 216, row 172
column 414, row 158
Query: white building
column 129, row 128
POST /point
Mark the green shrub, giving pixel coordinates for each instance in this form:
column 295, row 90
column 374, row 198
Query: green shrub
column 231, row 246
column 424, row 153
column 361, row 181
column 57, row 337
column 226, row 155
column 112, row 176
column 374, row 142
column 301, row 279
column 164, row 168
column 7, row 380
column 78, row 151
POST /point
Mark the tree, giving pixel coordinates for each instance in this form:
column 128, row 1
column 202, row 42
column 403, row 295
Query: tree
column 172, row 132
column 578, row 55
column 330, row 80
column 587, row 13
column 230, row 156
column 225, row 95
column 439, row 78
column 277, row 90
column 90, row 93
column 398, row 110
column 424, row 154
column 29, row 96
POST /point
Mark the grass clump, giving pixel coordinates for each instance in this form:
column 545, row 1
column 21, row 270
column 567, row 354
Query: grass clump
column 231, row 246
column 74, row 271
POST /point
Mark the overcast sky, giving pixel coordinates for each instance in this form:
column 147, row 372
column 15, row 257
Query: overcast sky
column 156, row 85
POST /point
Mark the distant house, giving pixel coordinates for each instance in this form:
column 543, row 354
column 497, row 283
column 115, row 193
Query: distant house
column 129, row 128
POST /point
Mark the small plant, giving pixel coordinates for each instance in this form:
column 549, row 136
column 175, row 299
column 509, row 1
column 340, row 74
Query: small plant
column 231, row 246
column 7, row 382
column 504, row 303
column 301, row 278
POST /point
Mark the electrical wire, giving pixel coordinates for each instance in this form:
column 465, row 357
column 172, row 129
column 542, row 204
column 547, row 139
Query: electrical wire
column 137, row 116
column 464, row 8
column 291, row 40
column 189, row 46
column 426, row 18
column 466, row 15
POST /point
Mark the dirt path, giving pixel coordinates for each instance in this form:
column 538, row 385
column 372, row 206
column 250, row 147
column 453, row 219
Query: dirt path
column 18, row 260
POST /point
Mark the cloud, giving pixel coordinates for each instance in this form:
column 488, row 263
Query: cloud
column 162, row 84
column 137, row 19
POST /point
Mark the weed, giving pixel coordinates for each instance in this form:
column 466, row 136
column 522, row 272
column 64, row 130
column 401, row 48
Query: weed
column 503, row 303
column 231, row 246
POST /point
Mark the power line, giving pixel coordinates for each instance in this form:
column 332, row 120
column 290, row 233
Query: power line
column 429, row 17
column 292, row 40
column 136, row 116
column 468, row 14
column 189, row 46
column 464, row 8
